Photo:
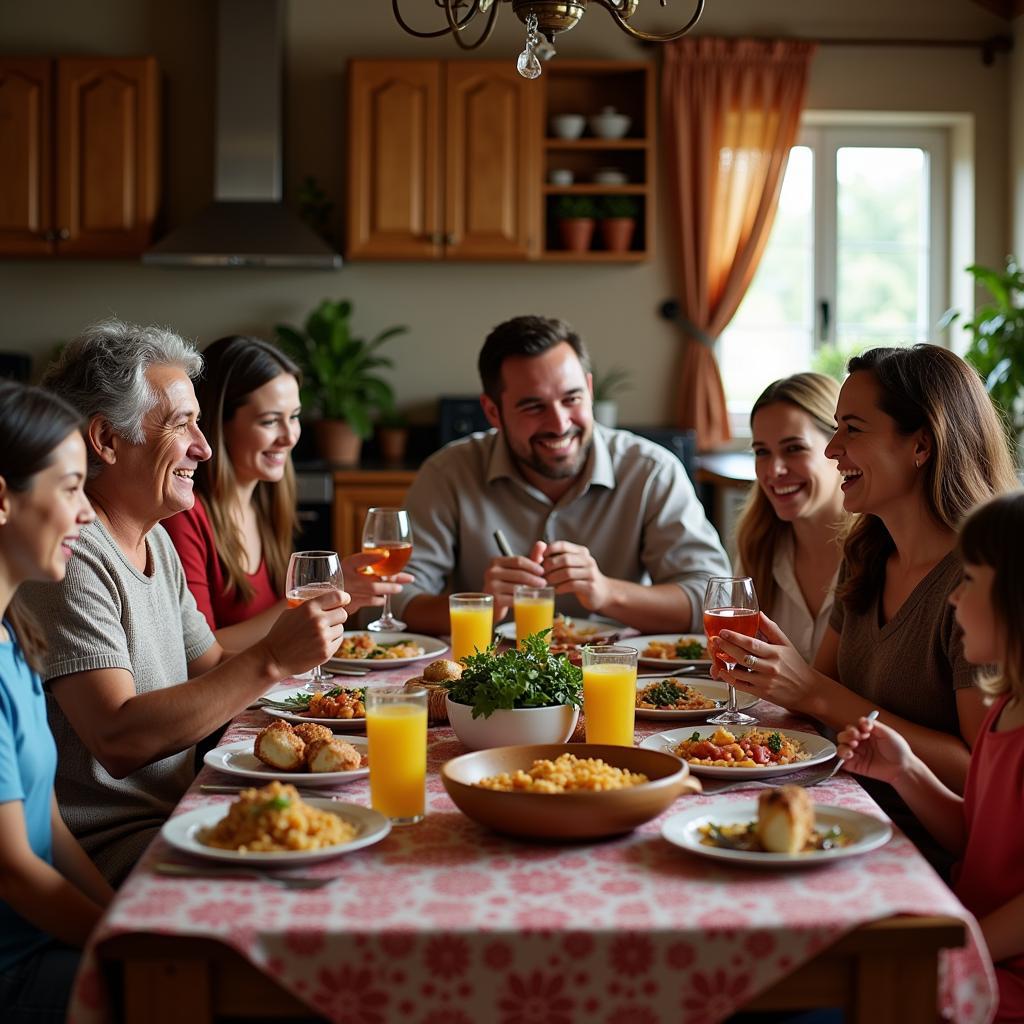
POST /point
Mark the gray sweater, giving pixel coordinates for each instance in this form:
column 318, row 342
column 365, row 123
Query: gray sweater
column 107, row 614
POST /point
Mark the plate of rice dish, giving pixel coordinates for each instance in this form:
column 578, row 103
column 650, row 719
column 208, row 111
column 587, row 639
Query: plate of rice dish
column 384, row 650
column 748, row 753
column 783, row 828
column 659, row 697
column 273, row 825
column 670, row 650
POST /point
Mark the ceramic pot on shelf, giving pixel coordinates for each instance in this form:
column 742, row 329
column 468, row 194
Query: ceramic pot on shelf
column 338, row 442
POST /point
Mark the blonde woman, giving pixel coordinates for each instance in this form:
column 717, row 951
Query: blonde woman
column 788, row 537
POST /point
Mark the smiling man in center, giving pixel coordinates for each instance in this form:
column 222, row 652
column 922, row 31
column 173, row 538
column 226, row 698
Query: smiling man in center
column 607, row 518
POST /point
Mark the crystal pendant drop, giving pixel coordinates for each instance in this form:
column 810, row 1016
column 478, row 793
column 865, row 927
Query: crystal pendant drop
column 527, row 65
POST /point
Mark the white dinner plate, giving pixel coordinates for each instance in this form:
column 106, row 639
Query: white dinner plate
column 337, row 724
column 641, row 642
column 432, row 648
column 819, row 749
column 182, row 832
column 683, row 830
column 711, row 688
column 238, row 759
column 589, row 630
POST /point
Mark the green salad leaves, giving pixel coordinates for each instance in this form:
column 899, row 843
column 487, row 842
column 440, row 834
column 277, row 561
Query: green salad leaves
column 528, row 678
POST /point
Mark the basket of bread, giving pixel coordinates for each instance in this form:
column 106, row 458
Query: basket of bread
column 436, row 678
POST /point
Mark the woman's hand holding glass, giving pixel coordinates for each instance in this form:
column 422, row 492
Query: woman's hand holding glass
column 370, row 591
column 770, row 668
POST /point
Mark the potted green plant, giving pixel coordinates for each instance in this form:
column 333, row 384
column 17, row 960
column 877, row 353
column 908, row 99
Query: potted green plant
column 522, row 696
column 575, row 215
column 606, row 387
column 340, row 383
column 618, row 222
column 996, row 349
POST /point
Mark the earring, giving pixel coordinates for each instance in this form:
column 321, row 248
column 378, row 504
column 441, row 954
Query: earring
column 917, row 463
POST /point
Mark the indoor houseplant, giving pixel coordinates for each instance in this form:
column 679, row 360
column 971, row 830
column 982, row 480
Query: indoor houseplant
column 996, row 349
column 524, row 695
column 618, row 222
column 392, row 436
column 606, row 387
column 340, row 383
column 575, row 215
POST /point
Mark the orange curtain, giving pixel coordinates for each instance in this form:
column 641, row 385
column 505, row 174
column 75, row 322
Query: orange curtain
column 731, row 111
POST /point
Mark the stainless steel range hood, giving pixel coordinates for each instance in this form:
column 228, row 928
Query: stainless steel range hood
column 247, row 225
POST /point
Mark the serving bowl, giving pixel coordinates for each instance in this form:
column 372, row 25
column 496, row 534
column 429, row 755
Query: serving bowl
column 568, row 126
column 515, row 727
column 575, row 815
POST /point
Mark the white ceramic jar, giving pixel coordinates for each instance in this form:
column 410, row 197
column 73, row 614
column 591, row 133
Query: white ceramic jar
column 610, row 124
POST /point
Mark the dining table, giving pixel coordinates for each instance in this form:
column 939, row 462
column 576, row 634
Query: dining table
column 445, row 922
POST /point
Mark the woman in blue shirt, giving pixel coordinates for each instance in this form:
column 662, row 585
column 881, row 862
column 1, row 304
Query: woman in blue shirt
column 51, row 894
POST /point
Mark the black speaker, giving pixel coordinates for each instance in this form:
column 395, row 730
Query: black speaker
column 457, row 417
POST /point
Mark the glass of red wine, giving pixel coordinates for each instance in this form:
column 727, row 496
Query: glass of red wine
column 388, row 535
column 730, row 603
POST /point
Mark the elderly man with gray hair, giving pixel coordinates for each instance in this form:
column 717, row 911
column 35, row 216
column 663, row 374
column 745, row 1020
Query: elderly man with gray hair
column 134, row 676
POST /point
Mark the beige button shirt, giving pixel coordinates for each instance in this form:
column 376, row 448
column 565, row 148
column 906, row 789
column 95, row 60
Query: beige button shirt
column 633, row 507
column 790, row 611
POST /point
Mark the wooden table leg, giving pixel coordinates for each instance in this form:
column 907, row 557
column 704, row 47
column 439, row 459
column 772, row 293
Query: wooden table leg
column 167, row 992
column 896, row 990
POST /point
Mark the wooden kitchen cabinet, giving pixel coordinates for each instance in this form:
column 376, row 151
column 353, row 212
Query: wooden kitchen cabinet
column 355, row 491
column 444, row 161
column 78, row 155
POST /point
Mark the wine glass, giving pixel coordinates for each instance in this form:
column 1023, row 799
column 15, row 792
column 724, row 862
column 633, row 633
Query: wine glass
column 730, row 603
column 310, row 573
column 387, row 534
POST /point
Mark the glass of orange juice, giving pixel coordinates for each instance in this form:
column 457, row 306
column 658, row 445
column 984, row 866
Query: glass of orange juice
column 609, row 694
column 472, row 619
column 396, row 726
column 534, row 609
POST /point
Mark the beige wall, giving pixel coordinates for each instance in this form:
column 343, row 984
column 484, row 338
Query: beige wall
column 449, row 307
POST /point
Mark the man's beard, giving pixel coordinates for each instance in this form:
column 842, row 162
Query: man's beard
column 561, row 470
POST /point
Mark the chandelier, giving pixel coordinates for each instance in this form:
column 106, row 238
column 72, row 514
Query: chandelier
column 541, row 17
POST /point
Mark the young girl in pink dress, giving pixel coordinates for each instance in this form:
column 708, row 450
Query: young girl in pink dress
column 983, row 827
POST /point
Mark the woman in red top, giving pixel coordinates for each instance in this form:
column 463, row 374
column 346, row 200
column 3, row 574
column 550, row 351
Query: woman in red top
column 235, row 542
column 983, row 826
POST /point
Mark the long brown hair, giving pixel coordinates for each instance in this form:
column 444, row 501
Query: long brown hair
column 33, row 422
column 928, row 387
column 759, row 530
column 993, row 535
column 235, row 367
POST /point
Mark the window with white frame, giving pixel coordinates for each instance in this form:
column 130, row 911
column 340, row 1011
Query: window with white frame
column 857, row 257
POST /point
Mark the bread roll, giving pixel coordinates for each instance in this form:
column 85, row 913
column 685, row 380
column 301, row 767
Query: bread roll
column 333, row 756
column 785, row 819
column 279, row 747
column 442, row 671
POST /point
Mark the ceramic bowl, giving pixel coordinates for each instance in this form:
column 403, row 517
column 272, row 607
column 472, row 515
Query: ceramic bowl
column 610, row 176
column 552, row 816
column 568, row 126
column 560, row 176
column 610, row 124
column 504, row 728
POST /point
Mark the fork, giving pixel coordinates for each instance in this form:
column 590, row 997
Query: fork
column 285, row 881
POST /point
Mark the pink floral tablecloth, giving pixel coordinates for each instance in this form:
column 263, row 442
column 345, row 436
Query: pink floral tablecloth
column 446, row 923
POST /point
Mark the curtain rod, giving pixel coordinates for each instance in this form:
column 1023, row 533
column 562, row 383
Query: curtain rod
column 989, row 47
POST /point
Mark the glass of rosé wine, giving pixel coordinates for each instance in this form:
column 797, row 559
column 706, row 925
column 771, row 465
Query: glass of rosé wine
column 730, row 603
column 387, row 534
column 310, row 573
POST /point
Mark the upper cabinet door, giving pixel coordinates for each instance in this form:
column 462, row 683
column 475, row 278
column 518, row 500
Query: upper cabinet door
column 26, row 186
column 394, row 160
column 492, row 161
column 107, row 170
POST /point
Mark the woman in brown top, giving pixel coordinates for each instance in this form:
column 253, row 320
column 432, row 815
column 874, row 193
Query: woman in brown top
column 918, row 445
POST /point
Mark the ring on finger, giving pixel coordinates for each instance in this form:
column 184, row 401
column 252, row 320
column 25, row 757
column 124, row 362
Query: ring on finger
column 750, row 661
